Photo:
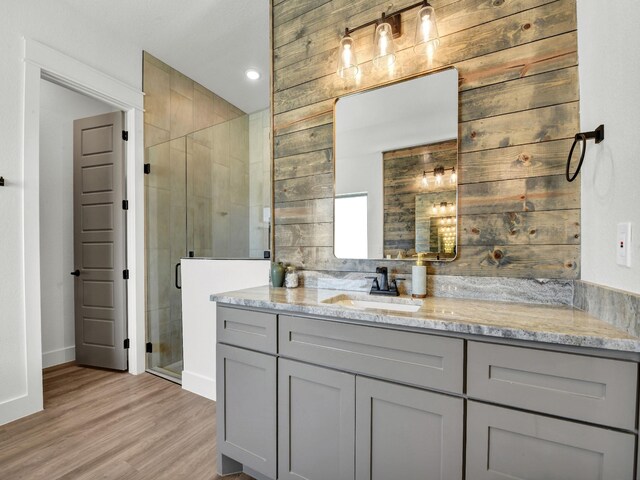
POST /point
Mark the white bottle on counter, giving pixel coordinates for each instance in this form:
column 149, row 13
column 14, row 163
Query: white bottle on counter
column 419, row 278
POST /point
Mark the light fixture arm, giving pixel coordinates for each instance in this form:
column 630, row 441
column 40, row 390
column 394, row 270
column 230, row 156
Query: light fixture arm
column 387, row 16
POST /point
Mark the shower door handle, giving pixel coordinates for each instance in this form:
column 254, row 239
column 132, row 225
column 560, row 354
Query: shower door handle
column 178, row 271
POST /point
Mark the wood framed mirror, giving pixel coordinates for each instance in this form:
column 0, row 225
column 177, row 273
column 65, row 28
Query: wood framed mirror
column 396, row 163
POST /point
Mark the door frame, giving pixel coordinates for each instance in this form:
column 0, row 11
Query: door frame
column 41, row 61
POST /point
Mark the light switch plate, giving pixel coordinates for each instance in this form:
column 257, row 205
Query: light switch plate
column 623, row 244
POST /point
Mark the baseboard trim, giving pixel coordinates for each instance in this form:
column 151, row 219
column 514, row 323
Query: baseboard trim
column 199, row 384
column 19, row 407
column 58, row 357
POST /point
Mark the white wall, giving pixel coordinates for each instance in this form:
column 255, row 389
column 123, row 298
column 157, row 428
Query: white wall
column 59, row 107
column 200, row 279
column 56, row 25
column 609, row 58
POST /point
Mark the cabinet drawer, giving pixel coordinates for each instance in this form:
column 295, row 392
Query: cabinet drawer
column 245, row 328
column 405, row 357
column 592, row 389
column 508, row 444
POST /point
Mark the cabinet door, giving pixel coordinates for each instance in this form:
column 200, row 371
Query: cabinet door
column 316, row 423
column 246, row 409
column 504, row 444
column 403, row 432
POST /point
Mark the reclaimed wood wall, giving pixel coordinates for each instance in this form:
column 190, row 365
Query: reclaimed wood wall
column 402, row 181
column 519, row 110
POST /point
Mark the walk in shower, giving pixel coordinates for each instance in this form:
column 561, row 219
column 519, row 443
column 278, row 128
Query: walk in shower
column 206, row 195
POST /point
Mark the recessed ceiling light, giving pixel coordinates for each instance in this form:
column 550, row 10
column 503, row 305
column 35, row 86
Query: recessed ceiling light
column 252, row 74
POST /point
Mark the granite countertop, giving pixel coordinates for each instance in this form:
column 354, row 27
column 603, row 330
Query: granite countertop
column 561, row 325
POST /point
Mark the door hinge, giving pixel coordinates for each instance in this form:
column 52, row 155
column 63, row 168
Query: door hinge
column 125, row 135
column 125, row 274
column 125, row 204
column 149, row 347
column 147, row 168
column 126, row 343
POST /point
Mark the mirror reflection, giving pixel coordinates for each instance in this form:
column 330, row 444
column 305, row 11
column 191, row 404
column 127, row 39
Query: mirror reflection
column 396, row 154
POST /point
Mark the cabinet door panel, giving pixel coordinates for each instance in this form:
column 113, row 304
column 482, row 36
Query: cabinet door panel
column 316, row 422
column 504, row 444
column 403, row 432
column 246, row 408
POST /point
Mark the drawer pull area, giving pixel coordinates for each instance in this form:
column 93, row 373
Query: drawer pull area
column 590, row 389
column 248, row 329
column 572, row 386
column 417, row 359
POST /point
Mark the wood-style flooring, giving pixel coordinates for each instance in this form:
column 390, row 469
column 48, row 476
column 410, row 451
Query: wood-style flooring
column 99, row 424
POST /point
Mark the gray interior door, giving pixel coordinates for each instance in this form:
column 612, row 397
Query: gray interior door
column 99, row 241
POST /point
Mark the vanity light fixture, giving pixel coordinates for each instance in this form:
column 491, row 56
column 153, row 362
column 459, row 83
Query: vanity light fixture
column 388, row 27
column 442, row 208
column 347, row 63
column 427, row 38
column 384, row 48
column 424, row 181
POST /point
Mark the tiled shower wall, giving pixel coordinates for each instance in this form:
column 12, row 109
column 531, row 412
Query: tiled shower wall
column 175, row 105
column 197, row 195
column 259, row 181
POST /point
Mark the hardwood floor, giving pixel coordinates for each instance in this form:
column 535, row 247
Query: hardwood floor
column 111, row 425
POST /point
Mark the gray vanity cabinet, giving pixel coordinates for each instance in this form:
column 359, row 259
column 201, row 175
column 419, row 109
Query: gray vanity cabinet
column 360, row 402
column 505, row 444
column 316, row 422
column 404, row 432
column 246, row 411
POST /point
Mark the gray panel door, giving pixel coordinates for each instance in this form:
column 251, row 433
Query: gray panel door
column 99, row 241
column 246, row 409
column 316, row 423
column 504, row 444
column 404, row 432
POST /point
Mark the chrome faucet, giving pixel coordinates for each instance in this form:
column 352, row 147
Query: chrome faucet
column 384, row 288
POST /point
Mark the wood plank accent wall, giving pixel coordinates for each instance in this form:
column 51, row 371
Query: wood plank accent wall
column 402, row 182
column 519, row 109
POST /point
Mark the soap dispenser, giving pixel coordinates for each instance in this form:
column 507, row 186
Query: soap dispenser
column 419, row 278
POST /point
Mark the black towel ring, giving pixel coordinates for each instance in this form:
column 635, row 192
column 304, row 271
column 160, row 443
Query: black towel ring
column 597, row 135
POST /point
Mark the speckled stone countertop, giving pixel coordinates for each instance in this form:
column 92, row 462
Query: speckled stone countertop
column 561, row 325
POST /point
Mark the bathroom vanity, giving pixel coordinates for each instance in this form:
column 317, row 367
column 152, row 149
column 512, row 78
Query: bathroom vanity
column 314, row 384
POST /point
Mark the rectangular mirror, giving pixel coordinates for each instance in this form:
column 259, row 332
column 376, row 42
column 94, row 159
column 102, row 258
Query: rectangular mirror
column 396, row 160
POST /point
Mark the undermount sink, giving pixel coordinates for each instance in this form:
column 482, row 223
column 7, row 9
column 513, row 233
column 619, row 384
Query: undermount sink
column 362, row 302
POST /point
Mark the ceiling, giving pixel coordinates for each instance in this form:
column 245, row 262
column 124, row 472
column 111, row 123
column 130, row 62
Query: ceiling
column 212, row 41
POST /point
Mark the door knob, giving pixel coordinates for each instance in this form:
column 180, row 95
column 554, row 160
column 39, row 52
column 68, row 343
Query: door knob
column 76, row 273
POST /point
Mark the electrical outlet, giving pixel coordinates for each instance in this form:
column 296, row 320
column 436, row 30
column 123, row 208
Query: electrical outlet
column 623, row 244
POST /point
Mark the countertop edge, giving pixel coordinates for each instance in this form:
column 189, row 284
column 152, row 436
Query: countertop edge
column 622, row 345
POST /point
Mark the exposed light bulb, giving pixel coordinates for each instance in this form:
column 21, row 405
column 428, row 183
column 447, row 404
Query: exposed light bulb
column 438, row 179
column 454, row 176
column 424, row 181
column 347, row 63
column 427, row 38
column 384, row 50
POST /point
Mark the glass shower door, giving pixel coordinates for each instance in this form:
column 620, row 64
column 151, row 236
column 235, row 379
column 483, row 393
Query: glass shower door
column 166, row 244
